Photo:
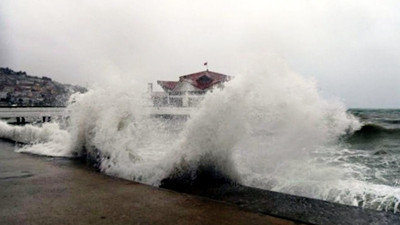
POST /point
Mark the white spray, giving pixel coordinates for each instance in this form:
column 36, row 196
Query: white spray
column 271, row 130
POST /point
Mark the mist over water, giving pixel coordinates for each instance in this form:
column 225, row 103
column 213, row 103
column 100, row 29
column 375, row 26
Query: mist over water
column 268, row 129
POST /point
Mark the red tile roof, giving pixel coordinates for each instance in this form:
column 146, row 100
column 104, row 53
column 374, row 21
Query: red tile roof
column 205, row 79
column 170, row 85
column 201, row 80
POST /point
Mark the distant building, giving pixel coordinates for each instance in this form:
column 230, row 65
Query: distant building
column 9, row 89
column 3, row 95
column 18, row 88
column 188, row 90
column 25, row 82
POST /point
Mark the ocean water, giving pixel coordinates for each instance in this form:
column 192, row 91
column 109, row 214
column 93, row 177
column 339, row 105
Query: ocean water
column 269, row 129
column 377, row 144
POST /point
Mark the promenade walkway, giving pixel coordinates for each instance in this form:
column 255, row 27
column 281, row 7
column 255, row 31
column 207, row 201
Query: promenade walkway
column 40, row 190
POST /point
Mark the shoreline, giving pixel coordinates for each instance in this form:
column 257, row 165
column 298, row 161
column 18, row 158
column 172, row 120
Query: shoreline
column 57, row 188
column 40, row 190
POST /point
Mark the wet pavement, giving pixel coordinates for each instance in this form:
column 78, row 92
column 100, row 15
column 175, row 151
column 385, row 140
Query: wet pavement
column 42, row 190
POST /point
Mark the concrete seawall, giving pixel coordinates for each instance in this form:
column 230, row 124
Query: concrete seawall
column 40, row 190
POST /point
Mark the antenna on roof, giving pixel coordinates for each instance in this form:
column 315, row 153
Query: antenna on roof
column 206, row 65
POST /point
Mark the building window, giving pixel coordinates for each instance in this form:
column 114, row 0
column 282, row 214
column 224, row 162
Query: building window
column 204, row 80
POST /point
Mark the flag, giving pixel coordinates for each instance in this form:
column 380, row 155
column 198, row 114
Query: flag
column 205, row 63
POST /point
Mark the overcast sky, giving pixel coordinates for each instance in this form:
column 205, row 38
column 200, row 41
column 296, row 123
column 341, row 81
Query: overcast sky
column 351, row 48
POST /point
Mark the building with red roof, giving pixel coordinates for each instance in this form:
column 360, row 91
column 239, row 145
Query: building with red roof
column 188, row 90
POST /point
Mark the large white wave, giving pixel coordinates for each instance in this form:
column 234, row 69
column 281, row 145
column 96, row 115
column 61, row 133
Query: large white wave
column 271, row 130
column 47, row 140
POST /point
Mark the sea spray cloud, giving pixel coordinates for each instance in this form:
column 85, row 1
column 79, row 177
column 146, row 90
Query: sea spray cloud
column 269, row 129
column 47, row 140
column 113, row 127
column 277, row 115
column 260, row 122
column 264, row 119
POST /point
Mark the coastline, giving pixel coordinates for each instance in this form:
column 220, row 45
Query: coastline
column 46, row 190
column 43, row 190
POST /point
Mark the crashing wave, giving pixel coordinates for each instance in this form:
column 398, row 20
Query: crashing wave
column 271, row 130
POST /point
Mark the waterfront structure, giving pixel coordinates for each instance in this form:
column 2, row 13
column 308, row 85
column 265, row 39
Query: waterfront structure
column 189, row 90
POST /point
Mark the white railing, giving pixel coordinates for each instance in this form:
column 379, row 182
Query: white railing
column 39, row 112
column 31, row 112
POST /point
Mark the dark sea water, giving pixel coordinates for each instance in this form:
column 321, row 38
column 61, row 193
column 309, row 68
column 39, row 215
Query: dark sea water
column 378, row 145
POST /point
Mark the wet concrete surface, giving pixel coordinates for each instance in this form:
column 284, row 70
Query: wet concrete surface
column 215, row 185
column 41, row 190
column 301, row 209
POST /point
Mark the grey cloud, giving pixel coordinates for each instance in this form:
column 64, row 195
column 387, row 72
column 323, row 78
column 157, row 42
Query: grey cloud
column 349, row 47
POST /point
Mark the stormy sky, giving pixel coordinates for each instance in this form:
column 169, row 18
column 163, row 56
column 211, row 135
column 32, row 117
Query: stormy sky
column 351, row 48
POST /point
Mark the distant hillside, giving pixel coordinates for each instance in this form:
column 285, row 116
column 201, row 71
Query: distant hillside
column 20, row 89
